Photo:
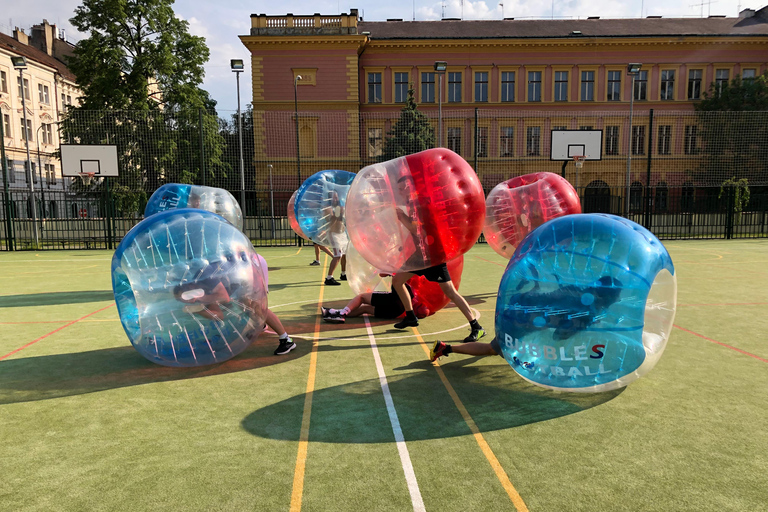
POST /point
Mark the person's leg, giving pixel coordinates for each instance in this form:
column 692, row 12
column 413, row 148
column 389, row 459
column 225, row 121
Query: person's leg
column 329, row 279
column 343, row 267
column 355, row 303
column 274, row 323
column 450, row 291
column 473, row 348
column 317, row 252
column 398, row 285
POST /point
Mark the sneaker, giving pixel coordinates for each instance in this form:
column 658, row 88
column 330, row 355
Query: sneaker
column 331, row 281
column 437, row 351
column 405, row 323
column 315, row 263
column 335, row 318
column 285, row 347
column 343, row 277
column 475, row 335
column 325, row 311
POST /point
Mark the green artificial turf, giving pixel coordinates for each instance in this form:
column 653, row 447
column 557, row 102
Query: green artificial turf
column 86, row 423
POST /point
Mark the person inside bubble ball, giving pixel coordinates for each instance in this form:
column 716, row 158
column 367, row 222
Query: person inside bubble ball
column 379, row 304
column 437, row 274
column 589, row 303
column 336, row 228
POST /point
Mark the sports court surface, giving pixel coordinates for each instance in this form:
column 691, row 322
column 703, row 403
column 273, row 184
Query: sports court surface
column 357, row 418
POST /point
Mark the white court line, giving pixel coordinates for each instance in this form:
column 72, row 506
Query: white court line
column 405, row 458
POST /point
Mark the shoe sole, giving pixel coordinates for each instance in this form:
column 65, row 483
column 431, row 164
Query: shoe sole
column 293, row 346
column 332, row 320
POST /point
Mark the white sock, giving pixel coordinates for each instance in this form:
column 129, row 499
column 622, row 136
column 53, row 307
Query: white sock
column 330, row 276
column 284, row 337
column 345, row 311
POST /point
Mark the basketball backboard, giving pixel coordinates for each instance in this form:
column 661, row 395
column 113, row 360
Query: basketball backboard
column 566, row 144
column 99, row 160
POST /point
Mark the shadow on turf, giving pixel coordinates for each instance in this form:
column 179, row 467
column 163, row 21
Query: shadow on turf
column 494, row 395
column 56, row 298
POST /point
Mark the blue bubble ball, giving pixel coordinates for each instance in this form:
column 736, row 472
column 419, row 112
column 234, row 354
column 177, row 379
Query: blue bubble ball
column 189, row 288
column 176, row 195
column 320, row 208
column 586, row 303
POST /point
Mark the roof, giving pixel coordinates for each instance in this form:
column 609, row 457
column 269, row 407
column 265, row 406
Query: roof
column 756, row 25
column 11, row 45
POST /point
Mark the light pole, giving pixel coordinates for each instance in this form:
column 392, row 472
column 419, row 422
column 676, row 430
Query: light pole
column 632, row 70
column 237, row 68
column 20, row 63
column 296, row 117
column 440, row 67
column 40, row 171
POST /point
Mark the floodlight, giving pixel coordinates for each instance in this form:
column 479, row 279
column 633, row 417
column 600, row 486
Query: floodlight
column 236, row 64
column 441, row 66
column 19, row 62
column 633, row 68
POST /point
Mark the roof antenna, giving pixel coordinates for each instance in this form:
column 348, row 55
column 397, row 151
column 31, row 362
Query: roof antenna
column 502, row 9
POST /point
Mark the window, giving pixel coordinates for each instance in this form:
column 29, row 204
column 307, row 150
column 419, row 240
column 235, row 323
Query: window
column 665, row 139
column 687, row 197
column 533, row 141
column 585, row 128
column 534, row 86
column 401, row 87
column 561, row 86
column 50, row 174
column 42, row 91
column 507, row 86
column 587, row 86
column 748, row 74
column 641, row 86
column 667, row 84
column 11, row 171
column 721, row 80
column 614, row 86
column 374, row 87
column 507, row 141
column 694, row 84
column 561, row 128
column 427, row 87
column 638, row 140
column 482, row 141
column 660, row 202
column 481, row 86
column 3, row 82
column 636, row 197
column 47, row 134
column 691, row 147
column 26, row 134
column 611, row 140
column 454, row 88
column 33, row 173
column 374, row 142
column 66, row 99
column 454, row 140
column 7, row 126
column 26, row 87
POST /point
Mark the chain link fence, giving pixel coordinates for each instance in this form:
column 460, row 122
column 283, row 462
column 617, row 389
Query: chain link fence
column 681, row 174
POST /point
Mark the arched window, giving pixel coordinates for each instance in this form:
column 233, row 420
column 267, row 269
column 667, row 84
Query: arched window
column 662, row 195
column 597, row 197
column 687, row 197
column 636, row 197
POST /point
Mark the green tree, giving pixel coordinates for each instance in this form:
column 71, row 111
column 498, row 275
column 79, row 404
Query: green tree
column 140, row 72
column 411, row 133
column 733, row 123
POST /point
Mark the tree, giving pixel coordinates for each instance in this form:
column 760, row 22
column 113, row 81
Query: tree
column 140, row 72
column 733, row 123
column 412, row 133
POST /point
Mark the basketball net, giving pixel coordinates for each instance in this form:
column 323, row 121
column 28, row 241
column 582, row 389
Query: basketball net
column 87, row 177
column 579, row 161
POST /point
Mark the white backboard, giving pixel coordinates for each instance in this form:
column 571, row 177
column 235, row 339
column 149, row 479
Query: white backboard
column 101, row 160
column 569, row 143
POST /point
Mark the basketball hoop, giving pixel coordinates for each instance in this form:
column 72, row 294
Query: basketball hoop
column 87, row 177
column 579, row 161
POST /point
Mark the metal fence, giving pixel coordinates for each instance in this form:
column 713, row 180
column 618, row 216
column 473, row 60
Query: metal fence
column 669, row 171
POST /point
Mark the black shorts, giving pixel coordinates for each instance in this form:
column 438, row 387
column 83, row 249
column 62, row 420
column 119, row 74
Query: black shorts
column 386, row 305
column 496, row 347
column 436, row 274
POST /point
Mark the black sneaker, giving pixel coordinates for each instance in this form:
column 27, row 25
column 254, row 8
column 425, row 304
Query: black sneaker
column 475, row 335
column 343, row 277
column 285, row 347
column 335, row 318
column 331, row 281
column 325, row 311
column 315, row 264
column 405, row 323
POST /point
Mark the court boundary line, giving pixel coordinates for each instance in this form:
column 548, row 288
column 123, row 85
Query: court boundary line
column 402, row 448
column 55, row 331
column 721, row 343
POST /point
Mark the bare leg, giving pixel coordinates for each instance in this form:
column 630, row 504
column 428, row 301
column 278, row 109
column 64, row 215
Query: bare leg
column 343, row 263
column 325, row 250
column 361, row 310
column 450, row 291
column 474, row 348
column 274, row 323
column 317, row 252
column 398, row 284
column 332, row 267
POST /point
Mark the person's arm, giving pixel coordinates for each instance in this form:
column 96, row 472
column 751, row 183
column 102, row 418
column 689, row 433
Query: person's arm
column 406, row 221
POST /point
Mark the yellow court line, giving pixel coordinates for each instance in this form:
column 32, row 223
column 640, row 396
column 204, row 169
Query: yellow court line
column 517, row 500
column 301, row 457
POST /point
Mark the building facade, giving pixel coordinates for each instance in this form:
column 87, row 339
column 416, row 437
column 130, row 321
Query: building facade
column 506, row 85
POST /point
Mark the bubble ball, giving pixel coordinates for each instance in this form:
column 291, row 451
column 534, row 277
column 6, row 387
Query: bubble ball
column 319, row 208
column 364, row 277
column 428, row 298
column 176, row 195
column 189, row 288
column 292, row 217
column 586, row 303
column 517, row 206
column 416, row 211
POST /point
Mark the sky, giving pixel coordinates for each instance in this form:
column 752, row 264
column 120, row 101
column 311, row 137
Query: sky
column 221, row 23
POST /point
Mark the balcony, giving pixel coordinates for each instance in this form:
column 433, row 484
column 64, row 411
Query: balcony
column 315, row 25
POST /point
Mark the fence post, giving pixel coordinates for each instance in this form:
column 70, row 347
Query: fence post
column 202, row 149
column 108, row 211
column 7, row 195
column 647, row 222
column 476, row 139
column 729, row 216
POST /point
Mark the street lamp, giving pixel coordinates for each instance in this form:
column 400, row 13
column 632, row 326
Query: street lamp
column 237, row 68
column 296, row 117
column 40, row 171
column 20, row 63
column 633, row 69
column 440, row 67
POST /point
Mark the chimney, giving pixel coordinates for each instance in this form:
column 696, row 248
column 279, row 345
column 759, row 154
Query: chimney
column 20, row 36
column 746, row 13
column 42, row 37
